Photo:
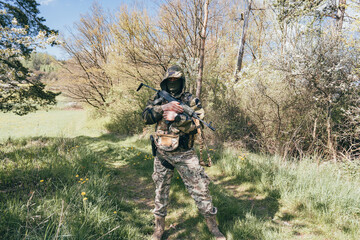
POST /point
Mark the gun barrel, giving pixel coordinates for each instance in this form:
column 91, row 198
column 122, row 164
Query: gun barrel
column 205, row 123
column 208, row 125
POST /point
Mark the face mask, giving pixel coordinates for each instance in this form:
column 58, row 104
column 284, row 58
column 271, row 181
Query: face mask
column 174, row 86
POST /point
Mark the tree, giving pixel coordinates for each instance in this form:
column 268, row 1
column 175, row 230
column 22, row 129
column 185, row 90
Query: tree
column 89, row 49
column 312, row 12
column 240, row 54
column 202, row 49
column 340, row 15
column 143, row 53
column 183, row 21
column 327, row 71
column 21, row 32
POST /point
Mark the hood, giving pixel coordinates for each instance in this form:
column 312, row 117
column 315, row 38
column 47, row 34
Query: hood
column 176, row 72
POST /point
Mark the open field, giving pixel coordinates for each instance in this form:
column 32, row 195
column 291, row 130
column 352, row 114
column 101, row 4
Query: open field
column 56, row 122
column 76, row 186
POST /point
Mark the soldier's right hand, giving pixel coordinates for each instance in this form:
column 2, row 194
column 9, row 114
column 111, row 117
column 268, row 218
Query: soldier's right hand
column 173, row 106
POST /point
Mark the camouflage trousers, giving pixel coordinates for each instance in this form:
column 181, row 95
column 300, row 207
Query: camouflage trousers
column 193, row 176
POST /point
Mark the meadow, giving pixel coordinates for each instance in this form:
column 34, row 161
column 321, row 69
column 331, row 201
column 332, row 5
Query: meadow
column 55, row 122
column 63, row 177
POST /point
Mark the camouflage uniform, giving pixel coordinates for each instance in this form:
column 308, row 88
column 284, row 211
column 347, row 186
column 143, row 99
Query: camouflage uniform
column 183, row 158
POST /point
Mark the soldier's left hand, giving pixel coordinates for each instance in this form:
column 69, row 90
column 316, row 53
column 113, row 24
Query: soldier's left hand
column 169, row 115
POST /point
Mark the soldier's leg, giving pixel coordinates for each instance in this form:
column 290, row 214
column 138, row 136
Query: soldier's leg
column 162, row 178
column 196, row 182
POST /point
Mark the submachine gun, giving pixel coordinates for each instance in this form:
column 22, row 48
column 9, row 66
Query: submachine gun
column 188, row 111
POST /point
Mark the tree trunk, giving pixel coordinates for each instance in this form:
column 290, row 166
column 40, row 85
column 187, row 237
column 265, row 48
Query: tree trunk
column 202, row 50
column 340, row 16
column 242, row 40
column 330, row 145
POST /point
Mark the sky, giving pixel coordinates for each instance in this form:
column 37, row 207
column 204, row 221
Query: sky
column 62, row 14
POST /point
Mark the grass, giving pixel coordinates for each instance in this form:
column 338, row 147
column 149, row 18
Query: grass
column 310, row 201
column 54, row 123
column 59, row 188
column 258, row 197
column 100, row 187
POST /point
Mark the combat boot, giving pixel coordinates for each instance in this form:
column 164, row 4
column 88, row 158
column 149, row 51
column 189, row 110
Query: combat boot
column 213, row 227
column 159, row 227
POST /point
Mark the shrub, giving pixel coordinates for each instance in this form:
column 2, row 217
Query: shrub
column 126, row 122
column 124, row 111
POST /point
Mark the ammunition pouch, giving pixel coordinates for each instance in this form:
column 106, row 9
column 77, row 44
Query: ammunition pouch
column 166, row 142
column 170, row 142
column 154, row 149
column 186, row 142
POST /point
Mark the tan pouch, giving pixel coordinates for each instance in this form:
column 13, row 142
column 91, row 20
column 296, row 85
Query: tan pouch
column 166, row 142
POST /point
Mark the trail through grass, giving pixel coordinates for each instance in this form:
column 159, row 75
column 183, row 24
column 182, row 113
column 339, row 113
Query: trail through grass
column 101, row 188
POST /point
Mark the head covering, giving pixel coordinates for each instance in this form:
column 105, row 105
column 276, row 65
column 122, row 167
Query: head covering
column 173, row 72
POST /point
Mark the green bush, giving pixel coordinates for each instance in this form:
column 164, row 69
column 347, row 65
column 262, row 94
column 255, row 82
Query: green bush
column 124, row 111
column 232, row 124
column 126, row 122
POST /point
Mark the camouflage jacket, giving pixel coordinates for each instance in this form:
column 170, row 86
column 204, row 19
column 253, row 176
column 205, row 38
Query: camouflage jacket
column 184, row 126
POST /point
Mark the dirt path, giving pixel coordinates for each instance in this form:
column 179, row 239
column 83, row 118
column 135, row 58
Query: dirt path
column 132, row 187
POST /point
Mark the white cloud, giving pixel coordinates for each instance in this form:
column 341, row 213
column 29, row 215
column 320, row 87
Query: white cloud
column 46, row 2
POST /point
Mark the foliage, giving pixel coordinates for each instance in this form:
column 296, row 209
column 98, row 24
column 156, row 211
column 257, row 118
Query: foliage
column 262, row 97
column 325, row 70
column 233, row 125
column 300, row 101
column 126, row 122
column 124, row 112
column 22, row 31
column 289, row 10
column 41, row 62
column 89, row 49
column 44, row 68
column 297, row 86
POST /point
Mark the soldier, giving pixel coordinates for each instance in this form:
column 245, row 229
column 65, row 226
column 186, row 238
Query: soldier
column 173, row 142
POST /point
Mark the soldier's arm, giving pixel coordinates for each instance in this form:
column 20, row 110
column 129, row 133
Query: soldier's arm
column 153, row 111
column 183, row 122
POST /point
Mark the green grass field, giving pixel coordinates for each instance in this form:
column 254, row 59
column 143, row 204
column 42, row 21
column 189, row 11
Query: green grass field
column 58, row 121
column 53, row 123
column 76, row 185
